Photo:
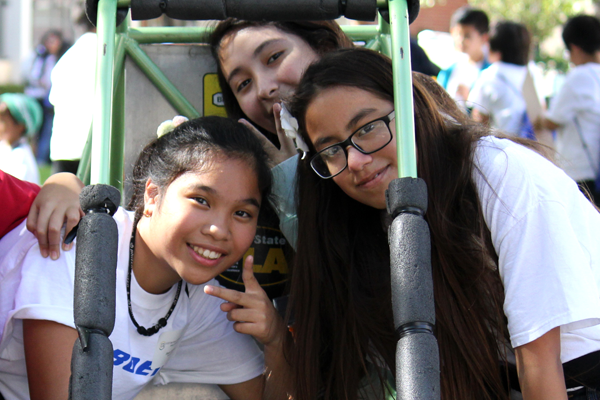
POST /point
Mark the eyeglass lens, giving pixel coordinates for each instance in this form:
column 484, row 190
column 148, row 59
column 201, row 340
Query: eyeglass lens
column 368, row 139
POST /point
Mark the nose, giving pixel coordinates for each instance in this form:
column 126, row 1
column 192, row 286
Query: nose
column 217, row 229
column 267, row 87
column 357, row 160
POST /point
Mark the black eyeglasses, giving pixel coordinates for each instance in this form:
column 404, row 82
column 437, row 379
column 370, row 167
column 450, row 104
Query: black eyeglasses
column 369, row 138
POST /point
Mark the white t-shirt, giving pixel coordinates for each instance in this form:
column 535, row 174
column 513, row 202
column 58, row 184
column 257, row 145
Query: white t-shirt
column 497, row 93
column 465, row 73
column 72, row 95
column 578, row 98
column 546, row 235
column 206, row 348
column 19, row 161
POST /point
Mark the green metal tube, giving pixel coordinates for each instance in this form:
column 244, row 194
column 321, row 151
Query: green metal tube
column 123, row 3
column 360, row 32
column 170, row 34
column 117, row 142
column 117, row 137
column 85, row 164
column 158, row 79
column 403, row 99
column 106, row 23
column 373, row 44
column 201, row 34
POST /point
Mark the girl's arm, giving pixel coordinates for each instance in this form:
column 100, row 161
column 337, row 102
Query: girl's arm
column 57, row 203
column 48, row 348
column 249, row 390
column 255, row 315
column 540, row 370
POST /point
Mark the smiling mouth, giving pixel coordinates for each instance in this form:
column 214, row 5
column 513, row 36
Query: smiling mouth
column 211, row 255
column 372, row 178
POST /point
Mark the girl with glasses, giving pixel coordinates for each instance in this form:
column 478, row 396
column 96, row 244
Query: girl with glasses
column 515, row 255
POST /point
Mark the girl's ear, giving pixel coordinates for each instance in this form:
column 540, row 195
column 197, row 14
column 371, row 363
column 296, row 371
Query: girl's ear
column 151, row 196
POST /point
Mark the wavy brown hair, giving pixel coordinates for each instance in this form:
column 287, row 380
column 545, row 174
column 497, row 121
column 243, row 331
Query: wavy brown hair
column 340, row 283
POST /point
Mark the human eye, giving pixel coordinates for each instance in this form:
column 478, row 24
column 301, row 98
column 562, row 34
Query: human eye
column 244, row 214
column 242, row 85
column 368, row 128
column 331, row 151
column 274, row 57
column 201, row 200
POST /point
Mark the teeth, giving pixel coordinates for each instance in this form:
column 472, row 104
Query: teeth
column 212, row 255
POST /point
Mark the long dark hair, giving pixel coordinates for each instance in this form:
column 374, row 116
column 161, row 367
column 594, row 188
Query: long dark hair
column 340, row 283
column 322, row 37
column 191, row 145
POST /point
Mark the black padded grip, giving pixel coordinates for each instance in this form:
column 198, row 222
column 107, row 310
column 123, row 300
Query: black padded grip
column 95, row 272
column 410, row 268
column 254, row 10
column 92, row 369
column 418, row 367
column 91, row 10
column 96, row 197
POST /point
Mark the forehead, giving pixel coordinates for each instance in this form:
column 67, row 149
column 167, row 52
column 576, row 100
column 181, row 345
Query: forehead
column 229, row 177
column 333, row 109
column 467, row 30
column 239, row 45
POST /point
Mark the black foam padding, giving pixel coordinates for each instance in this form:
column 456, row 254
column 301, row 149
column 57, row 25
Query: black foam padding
column 406, row 193
column 414, row 6
column 94, row 197
column 410, row 270
column 418, row 368
column 278, row 10
column 362, row 10
column 95, row 272
column 92, row 370
column 91, row 11
column 256, row 10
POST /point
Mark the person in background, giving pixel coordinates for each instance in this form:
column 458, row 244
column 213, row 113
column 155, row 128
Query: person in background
column 497, row 96
column 419, row 61
column 470, row 29
column 20, row 119
column 38, row 84
column 16, row 197
column 575, row 111
column 72, row 96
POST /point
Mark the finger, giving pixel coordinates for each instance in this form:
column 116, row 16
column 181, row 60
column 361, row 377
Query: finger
column 248, row 277
column 41, row 229
column 227, row 307
column 55, row 224
column 32, row 217
column 247, row 315
column 232, row 296
column 73, row 216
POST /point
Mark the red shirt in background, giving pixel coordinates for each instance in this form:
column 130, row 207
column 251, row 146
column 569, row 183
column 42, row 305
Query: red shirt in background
column 16, row 197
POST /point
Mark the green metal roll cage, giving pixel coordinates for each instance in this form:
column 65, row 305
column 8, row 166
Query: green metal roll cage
column 102, row 159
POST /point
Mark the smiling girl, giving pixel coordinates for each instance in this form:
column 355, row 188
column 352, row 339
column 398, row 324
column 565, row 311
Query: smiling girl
column 197, row 195
column 515, row 255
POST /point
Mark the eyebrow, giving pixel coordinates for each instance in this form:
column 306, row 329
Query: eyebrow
column 350, row 126
column 255, row 54
column 251, row 200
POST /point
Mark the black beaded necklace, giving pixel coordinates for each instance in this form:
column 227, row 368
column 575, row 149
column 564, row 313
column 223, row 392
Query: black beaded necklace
column 161, row 322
